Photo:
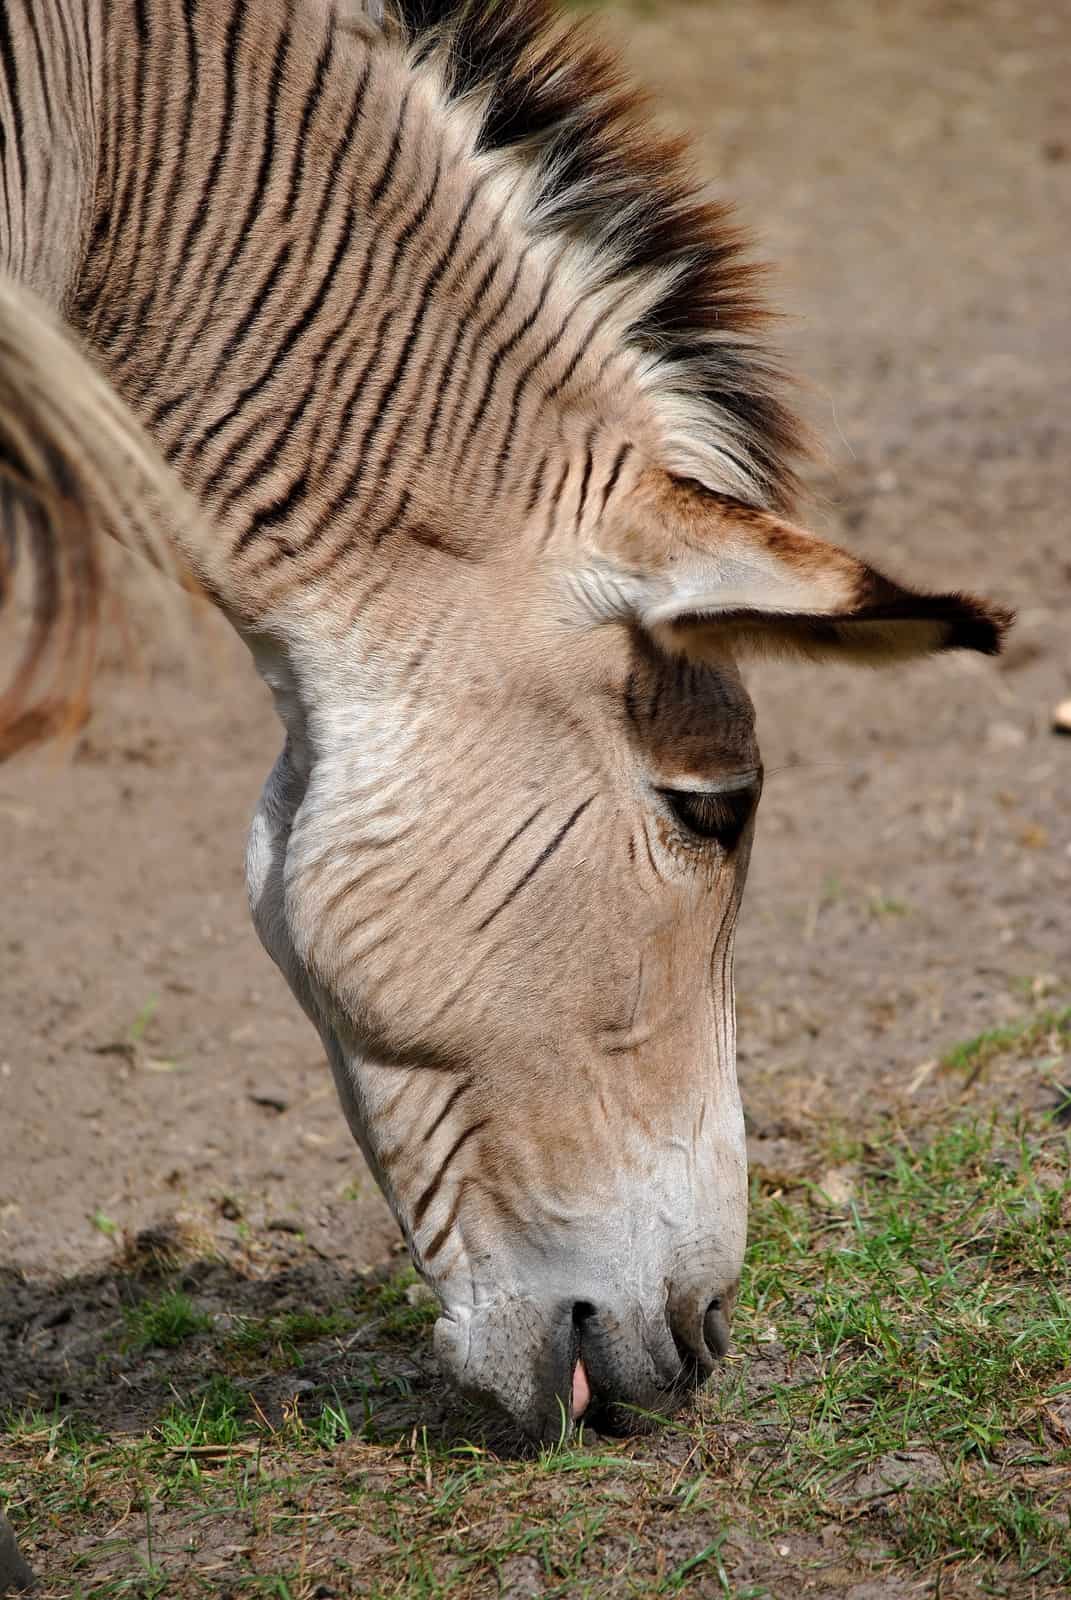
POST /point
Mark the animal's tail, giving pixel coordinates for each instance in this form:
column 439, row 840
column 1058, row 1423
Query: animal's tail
column 75, row 467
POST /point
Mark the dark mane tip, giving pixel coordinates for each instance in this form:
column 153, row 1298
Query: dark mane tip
column 554, row 95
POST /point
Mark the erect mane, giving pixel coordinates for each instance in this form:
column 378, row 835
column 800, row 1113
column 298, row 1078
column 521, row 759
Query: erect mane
column 603, row 172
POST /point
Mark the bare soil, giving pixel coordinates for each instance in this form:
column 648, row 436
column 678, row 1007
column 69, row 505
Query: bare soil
column 909, row 170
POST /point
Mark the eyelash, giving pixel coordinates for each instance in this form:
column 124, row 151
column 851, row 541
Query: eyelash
column 720, row 818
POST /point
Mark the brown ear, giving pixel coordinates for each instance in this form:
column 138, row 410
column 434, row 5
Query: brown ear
column 704, row 574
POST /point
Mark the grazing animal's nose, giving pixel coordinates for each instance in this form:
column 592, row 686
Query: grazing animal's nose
column 700, row 1316
column 550, row 1365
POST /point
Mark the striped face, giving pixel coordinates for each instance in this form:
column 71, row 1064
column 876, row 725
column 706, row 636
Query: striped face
column 509, row 892
column 501, row 861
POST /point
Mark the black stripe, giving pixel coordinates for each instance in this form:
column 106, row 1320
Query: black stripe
column 120, row 212
column 274, row 446
column 484, row 329
column 253, row 310
column 418, row 219
column 537, row 486
column 388, row 390
column 203, row 208
column 88, row 35
column 165, row 407
column 523, row 379
column 540, row 861
column 335, row 165
column 455, row 1095
column 293, row 334
column 448, row 1226
column 349, row 489
column 279, row 510
column 421, row 1208
column 555, row 501
column 168, row 208
column 7, row 57
column 210, row 313
column 496, row 364
column 68, row 53
column 308, row 111
column 30, row 10
column 267, row 154
column 417, row 326
column 150, row 167
column 389, row 523
column 631, row 708
column 556, row 388
column 272, row 449
column 500, row 852
column 585, row 482
column 346, row 411
column 615, row 473
column 472, row 307
column 111, row 136
column 383, row 182
column 316, row 385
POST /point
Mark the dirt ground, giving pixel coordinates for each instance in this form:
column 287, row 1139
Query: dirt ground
column 908, row 169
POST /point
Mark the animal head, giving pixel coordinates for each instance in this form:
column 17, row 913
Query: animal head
column 510, row 889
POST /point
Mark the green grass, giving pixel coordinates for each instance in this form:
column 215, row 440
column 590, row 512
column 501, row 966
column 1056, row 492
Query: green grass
column 1048, row 1029
column 214, row 1418
column 401, row 1308
column 281, row 1337
column 104, row 1224
column 164, row 1322
column 898, row 1402
column 934, row 1317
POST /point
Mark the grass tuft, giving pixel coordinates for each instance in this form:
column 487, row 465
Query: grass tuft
column 281, row 1337
column 165, row 1322
column 1048, row 1030
column 927, row 1325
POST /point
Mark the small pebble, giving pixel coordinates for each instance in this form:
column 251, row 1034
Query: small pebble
column 1061, row 718
column 271, row 1102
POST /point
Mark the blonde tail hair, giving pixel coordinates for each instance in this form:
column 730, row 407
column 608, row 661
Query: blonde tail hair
column 75, row 467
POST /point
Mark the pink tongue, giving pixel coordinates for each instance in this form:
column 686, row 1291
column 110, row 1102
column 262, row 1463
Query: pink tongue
column 581, row 1390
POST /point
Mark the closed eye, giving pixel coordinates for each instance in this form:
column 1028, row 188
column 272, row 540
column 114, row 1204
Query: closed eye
column 719, row 815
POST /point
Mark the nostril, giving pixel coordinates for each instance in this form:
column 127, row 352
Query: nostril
column 583, row 1311
column 716, row 1326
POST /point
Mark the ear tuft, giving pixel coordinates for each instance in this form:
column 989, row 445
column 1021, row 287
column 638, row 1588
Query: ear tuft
column 968, row 623
column 706, row 576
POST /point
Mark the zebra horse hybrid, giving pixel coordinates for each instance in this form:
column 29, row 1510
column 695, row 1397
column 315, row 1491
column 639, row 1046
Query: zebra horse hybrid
column 404, row 332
